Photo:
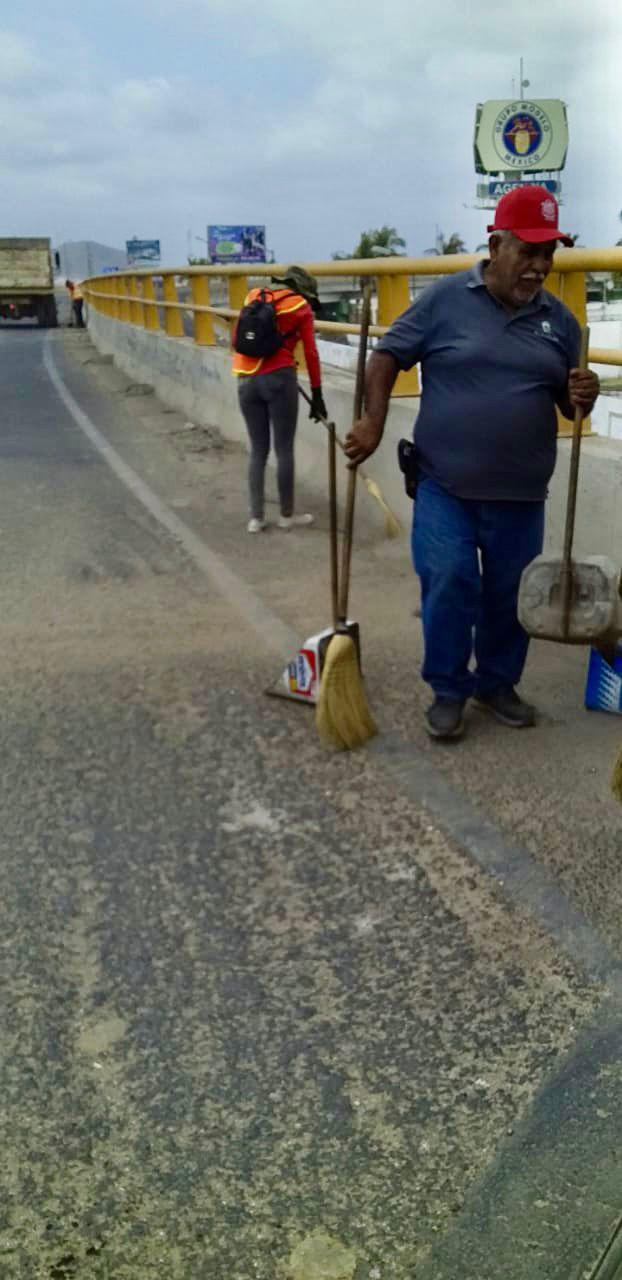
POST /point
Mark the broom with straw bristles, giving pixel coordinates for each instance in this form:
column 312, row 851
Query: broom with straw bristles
column 342, row 715
column 392, row 526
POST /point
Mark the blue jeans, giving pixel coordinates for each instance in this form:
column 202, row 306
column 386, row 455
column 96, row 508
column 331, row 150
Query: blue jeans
column 466, row 608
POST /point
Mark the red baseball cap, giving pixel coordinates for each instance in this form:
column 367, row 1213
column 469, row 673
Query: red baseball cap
column 531, row 213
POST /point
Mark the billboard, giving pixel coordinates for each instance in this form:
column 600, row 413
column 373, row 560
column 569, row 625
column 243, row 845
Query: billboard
column 237, row 244
column 522, row 136
column 142, row 252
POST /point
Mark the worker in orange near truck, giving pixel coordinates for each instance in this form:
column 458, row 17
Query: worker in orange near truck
column 271, row 323
column 77, row 302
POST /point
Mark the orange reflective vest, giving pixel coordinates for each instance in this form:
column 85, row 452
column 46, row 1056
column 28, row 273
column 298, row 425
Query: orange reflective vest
column 285, row 302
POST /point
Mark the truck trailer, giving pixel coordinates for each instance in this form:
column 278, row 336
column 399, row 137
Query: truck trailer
column 27, row 281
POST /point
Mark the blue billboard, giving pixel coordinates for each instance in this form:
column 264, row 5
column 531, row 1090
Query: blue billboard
column 237, row 244
column 142, row 252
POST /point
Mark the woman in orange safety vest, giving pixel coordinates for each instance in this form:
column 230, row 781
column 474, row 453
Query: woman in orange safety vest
column 268, row 393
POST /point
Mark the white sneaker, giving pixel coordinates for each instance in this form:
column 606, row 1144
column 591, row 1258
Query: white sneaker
column 295, row 522
column 255, row 526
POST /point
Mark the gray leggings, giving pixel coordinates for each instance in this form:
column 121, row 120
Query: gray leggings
column 270, row 399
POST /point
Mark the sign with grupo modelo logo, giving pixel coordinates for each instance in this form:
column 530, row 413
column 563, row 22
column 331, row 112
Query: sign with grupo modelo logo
column 524, row 136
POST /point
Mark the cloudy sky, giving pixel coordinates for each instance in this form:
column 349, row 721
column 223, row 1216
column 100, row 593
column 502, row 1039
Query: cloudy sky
column 155, row 117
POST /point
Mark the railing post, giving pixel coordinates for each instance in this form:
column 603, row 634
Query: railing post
column 131, row 286
column 173, row 322
column 112, row 307
column 238, row 289
column 124, row 305
column 151, row 318
column 393, row 299
column 203, row 322
column 136, row 302
column 569, row 287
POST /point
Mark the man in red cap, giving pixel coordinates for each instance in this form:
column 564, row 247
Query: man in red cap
column 498, row 354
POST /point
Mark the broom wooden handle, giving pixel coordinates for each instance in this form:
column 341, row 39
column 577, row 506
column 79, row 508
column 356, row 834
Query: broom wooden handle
column 332, row 506
column 566, row 575
column 346, row 554
column 346, row 549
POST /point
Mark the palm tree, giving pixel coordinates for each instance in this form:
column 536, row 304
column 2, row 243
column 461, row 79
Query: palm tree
column 455, row 244
column 383, row 242
column 386, row 243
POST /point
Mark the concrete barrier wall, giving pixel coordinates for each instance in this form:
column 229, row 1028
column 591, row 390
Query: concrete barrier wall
column 198, row 381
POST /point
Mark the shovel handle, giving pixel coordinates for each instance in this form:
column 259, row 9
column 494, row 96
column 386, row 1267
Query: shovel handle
column 566, row 576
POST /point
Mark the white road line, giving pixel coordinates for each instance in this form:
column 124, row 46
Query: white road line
column 274, row 633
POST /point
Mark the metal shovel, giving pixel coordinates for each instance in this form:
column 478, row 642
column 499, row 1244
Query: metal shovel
column 572, row 601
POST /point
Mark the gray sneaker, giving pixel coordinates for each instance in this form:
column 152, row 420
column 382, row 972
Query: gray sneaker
column 445, row 718
column 506, row 706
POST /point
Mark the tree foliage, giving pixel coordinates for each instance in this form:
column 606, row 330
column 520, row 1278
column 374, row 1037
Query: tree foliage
column 381, row 242
column 453, row 244
column 449, row 244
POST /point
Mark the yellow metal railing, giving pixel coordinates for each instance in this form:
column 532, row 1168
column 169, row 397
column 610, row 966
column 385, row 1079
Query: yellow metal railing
column 151, row 298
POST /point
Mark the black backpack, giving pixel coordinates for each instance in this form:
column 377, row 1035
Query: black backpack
column 258, row 331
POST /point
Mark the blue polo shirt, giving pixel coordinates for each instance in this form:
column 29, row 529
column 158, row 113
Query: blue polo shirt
column 487, row 427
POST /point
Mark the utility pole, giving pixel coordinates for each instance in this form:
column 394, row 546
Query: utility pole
column 523, row 84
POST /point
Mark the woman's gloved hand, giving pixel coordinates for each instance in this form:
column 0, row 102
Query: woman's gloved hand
column 318, row 408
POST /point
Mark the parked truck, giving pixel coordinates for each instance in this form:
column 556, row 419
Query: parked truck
column 27, row 281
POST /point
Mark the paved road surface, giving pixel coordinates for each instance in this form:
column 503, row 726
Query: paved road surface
column 266, row 1013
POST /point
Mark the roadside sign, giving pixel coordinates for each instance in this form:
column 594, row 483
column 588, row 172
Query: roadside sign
column 498, row 189
column 237, row 243
column 142, row 252
column 524, row 135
